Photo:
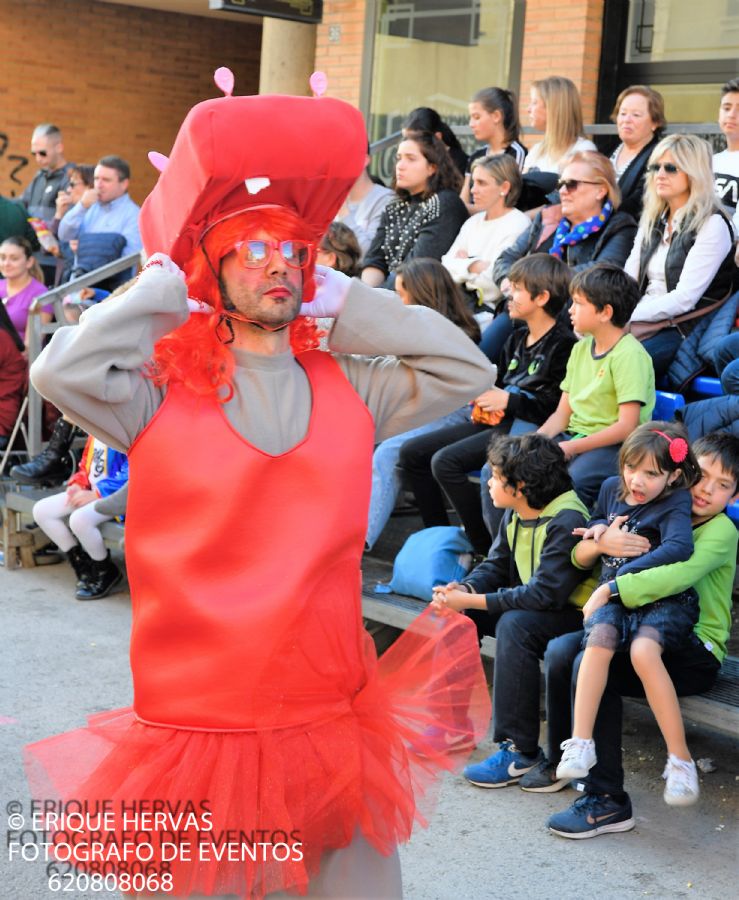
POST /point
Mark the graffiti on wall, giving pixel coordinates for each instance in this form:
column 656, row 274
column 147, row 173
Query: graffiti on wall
column 10, row 165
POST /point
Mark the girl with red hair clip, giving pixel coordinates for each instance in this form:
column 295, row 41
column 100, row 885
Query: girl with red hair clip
column 650, row 497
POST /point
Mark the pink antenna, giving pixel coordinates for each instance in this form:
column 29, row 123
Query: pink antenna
column 318, row 83
column 158, row 160
column 224, row 79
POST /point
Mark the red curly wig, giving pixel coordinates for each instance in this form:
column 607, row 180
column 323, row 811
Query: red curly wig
column 193, row 354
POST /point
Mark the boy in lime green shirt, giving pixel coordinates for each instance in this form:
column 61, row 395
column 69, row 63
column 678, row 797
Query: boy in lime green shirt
column 605, row 807
column 608, row 389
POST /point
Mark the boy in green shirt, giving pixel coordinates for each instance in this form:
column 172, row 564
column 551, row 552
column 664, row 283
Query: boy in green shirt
column 605, row 807
column 608, row 389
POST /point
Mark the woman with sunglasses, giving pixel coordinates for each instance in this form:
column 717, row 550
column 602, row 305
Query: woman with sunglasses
column 427, row 214
column 81, row 177
column 584, row 228
column 683, row 255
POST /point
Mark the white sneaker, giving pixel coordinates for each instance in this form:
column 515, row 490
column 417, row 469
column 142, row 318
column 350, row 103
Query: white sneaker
column 682, row 782
column 578, row 758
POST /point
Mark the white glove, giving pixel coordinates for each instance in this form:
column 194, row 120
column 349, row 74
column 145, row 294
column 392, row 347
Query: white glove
column 162, row 261
column 199, row 306
column 331, row 290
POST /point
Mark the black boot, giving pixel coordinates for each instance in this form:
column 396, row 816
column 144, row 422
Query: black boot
column 104, row 575
column 52, row 466
column 82, row 564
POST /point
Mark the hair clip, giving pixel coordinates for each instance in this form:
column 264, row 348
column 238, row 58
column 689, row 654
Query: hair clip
column 678, row 446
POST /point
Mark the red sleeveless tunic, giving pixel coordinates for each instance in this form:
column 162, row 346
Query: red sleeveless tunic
column 257, row 693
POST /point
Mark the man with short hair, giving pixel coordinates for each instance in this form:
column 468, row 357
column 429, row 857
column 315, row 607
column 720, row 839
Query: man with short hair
column 47, row 148
column 726, row 163
column 105, row 208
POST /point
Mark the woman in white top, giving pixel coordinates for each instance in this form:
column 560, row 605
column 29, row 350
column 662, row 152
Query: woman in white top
column 683, row 252
column 555, row 109
column 494, row 120
column 496, row 185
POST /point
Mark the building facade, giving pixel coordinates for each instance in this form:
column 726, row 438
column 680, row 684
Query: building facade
column 119, row 77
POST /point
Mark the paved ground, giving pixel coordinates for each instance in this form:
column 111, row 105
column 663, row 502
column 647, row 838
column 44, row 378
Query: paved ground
column 63, row 660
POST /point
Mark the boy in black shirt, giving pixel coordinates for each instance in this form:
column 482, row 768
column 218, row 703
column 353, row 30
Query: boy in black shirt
column 533, row 363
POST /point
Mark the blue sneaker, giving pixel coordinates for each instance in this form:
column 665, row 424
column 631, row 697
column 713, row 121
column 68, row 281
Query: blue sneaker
column 502, row 768
column 591, row 815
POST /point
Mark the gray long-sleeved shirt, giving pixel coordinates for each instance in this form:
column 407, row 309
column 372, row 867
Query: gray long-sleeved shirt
column 408, row 364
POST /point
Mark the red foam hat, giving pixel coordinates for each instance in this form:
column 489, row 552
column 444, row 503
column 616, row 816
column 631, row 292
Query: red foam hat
column 235, row 153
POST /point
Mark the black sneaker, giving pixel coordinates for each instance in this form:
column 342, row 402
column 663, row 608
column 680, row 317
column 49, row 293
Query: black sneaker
column 591, row 815
column 542, row 779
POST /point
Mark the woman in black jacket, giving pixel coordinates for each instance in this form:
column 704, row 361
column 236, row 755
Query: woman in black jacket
column 586, row 227
column 639, row 115
column 427, row 215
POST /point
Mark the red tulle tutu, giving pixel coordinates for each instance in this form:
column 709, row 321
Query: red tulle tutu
column 368, row 769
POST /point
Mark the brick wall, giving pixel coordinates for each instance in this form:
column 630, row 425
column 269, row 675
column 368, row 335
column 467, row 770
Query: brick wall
column 339, row 45
column 115, row 79
column 563, row 37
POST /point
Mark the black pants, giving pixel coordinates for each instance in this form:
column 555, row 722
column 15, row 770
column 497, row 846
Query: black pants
column 442, row 459
column 521, row 636
column 693, row 670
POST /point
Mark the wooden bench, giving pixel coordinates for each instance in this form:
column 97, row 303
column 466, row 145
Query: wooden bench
column 717, row 708
column 18, row 543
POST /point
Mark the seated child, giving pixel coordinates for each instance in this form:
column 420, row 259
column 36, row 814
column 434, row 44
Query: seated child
column 529, row 582
column 605, row 807
column 609, row 386
column 71, row 520
column 657, row 468
column 533, row 363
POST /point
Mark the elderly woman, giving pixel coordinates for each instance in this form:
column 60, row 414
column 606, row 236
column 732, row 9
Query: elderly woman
column 683, row 255
column 427, row 214
column 639, row 115
column 586, row 227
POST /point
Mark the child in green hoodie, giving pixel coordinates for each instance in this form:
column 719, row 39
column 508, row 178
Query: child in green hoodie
column 527, row 592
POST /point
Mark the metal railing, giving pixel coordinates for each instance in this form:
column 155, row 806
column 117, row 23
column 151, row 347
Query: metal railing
column 383, row 163
column 37, row 330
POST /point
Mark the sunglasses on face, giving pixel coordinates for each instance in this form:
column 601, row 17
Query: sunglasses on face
column 572, row 184
column 257, row 254
column 42, row 153
column 670, row 168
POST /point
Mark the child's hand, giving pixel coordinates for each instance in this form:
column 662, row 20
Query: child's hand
column 81, row 497
column 600, row 596
column 493, row 400
column 569, row 448
column 617, row 540
column 453, row 598
column 594, row 533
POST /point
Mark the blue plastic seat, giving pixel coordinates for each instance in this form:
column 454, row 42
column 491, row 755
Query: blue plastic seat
column 666, row 404
column 706, row 387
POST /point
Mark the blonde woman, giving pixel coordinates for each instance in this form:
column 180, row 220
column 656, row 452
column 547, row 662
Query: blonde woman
column 586, row 227
column 555, row 109
column 683, row 255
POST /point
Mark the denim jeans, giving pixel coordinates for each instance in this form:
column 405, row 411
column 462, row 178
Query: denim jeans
column 386, row 479
column 726, row 360
column 442, row 459
column 693, row 670
column 495, row 335
column 663, row 347
column 521, row 636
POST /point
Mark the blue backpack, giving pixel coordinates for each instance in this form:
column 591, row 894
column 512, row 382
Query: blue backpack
column 433, row 556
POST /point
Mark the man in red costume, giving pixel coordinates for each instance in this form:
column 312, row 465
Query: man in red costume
column 257, row 693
